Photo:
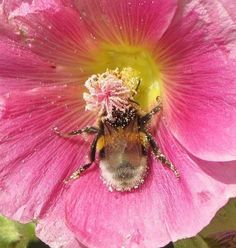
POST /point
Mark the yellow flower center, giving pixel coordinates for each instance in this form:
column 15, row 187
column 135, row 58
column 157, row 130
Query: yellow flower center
column 142, row 64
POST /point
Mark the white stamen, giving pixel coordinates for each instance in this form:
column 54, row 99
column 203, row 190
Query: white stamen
column 106, row 91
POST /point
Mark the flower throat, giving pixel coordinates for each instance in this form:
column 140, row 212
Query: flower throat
column 122, row 138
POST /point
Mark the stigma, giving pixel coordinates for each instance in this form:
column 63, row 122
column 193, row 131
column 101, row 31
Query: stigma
column 111, row 89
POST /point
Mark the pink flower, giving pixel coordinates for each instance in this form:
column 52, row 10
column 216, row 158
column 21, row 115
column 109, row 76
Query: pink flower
column 184, row 51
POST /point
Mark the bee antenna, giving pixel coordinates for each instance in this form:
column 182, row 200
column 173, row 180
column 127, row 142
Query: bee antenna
column 130, row 100
column 137, row 87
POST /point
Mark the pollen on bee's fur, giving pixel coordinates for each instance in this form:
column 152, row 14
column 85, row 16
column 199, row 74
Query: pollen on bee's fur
column 113, row 88
column 127, row 179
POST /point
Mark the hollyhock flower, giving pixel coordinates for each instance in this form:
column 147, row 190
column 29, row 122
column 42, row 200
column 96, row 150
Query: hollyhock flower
column 184, row 51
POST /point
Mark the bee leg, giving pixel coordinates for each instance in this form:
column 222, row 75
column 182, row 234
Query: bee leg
column 78, row 172
column 144, row 119
column 134, row 102
column 136, row 89
column 160, row 156
column 89, row 130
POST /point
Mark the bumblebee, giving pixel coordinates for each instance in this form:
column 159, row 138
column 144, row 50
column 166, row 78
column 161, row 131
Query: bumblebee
column 122, row 142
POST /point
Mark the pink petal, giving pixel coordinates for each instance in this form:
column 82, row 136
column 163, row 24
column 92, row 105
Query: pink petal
column 34, row 160
column 72, row 43
column 11, row 8
column 18, row 61
column 199, row 86
column 38, row 26
column 10, row 84
column 133, row 22
column 219, row 19
column 162, row 210
column 63, row 33
column 6, row 29
column 53, row 230
column 229, row 7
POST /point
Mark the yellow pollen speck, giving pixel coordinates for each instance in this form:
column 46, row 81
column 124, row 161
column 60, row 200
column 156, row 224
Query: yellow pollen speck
column 143, row 138
column 100, row 143
column 131, row 78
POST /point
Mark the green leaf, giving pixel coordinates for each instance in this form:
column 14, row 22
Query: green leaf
column 15, row 235
column 223, row 239
column 220, row 233
column 224, row 220
column 196, row 242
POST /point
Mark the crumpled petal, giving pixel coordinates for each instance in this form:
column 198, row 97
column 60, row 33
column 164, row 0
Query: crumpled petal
column 11, row 8
column 219, row 19
column 52, row 228
column 229, row 7
column 199, row 89
column 34, row 160
column 157, row 212
column 19, row 7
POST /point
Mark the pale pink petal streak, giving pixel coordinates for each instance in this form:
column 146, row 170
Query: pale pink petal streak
column 52, row 228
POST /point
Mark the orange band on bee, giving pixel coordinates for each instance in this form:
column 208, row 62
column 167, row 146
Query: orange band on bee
column 100, row 143
column 133, row 137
